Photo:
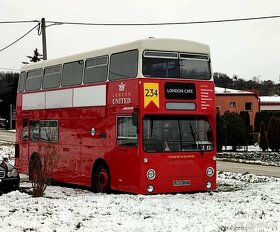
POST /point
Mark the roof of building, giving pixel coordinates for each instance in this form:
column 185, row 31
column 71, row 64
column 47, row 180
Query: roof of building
column 219, row 90
column 270, row 99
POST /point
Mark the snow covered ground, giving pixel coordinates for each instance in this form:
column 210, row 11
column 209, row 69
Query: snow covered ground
column 253, row 155
column 242, row 202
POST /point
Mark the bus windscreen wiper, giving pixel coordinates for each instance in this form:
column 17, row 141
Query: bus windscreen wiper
column 196, row 138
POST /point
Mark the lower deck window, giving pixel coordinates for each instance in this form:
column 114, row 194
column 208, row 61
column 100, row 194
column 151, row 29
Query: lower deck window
column 49, row 131
column 44, row 130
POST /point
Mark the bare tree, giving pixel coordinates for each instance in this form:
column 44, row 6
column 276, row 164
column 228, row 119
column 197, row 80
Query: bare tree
column 42, row 165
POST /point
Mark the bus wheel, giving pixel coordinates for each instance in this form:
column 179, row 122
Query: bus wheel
column 34, row 167
column 101, row 180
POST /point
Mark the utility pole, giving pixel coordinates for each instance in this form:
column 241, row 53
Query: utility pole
column 43, row 28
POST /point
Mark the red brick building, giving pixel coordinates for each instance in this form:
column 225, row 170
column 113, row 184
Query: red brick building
column 237, row 100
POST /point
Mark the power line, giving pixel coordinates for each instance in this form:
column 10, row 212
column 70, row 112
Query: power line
column 145, row 24
column 19, row 21
column 19, row 38
column 131, row 24
column 166, row 23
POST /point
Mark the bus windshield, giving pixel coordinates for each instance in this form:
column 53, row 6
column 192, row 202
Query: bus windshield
column 177, row 134
column 176, row 65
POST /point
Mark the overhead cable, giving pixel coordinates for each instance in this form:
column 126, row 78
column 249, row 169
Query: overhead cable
column 19, row 38
column 19, row 21
column 166, row 23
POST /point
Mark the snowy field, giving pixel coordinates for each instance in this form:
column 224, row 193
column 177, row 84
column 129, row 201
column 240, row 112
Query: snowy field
column 253, row 155
column 242, row 202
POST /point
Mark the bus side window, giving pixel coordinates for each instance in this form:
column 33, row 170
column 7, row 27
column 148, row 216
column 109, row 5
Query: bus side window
column 49, row 131
column 126, row 132
column 34, row 78
column 34, row 131
column 72, row 73
column 96, row 70
column 51, row 77
column 21, row 83
column 123, row 65
column 25, row 129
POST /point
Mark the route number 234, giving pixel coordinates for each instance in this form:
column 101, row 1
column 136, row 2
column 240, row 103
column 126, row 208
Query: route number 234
column 151, row 92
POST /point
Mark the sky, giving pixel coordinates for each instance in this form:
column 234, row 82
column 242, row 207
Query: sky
column 247, row 49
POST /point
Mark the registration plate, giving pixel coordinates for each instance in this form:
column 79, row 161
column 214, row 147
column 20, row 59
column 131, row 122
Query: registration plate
column 181, row 182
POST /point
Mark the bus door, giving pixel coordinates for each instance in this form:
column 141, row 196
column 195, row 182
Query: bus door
column 125, row 156
column 24, row 138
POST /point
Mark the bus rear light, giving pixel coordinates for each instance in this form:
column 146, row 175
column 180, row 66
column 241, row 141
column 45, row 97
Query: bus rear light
column 151, row 174
column 145, row 160
column 210, row 171
column 208, row 185
column 150, row 188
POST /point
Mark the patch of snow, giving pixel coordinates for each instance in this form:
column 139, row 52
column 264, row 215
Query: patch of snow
column 252, row 205
column 242, row 202
column 254, row 155
column 220, row 90
column 7, row 150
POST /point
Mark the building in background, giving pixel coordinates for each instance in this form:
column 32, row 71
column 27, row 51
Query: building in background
column 236, row 101
column 270, row 103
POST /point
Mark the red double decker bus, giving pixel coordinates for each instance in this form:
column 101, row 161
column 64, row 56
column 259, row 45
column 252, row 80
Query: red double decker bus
column 137, row 117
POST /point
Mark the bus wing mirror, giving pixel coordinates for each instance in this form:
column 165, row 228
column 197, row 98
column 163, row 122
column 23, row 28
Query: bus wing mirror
column 135, row 118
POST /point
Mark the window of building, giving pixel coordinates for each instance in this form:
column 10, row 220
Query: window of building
column 218, row 108
column 21, row 83
column 34, row 131
column 33, row 80
column 232, row 104
column 51, row 78
column 248, row 106
column 72, row 73
column 96, row 70
column 49, row 131
column 123, row 65
column 126, row 132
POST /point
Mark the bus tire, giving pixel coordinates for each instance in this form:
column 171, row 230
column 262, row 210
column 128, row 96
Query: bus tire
column 35, row 166
column 101, row 178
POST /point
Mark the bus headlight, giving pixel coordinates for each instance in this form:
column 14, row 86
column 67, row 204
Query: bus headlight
column 208, row 185
column 150, row 188
column 210, row 171
column 151, row 174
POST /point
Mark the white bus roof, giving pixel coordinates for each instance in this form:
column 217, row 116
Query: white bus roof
column 159, row 44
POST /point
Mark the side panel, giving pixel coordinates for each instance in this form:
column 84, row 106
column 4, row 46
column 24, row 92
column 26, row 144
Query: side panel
column 93, row 146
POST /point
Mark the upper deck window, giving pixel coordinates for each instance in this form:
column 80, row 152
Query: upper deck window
column 96, row 70
column 33, row 81
column 124, row 65
column 21, row 83
column 176, row 65
column 72, row 73
column 51, row 78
